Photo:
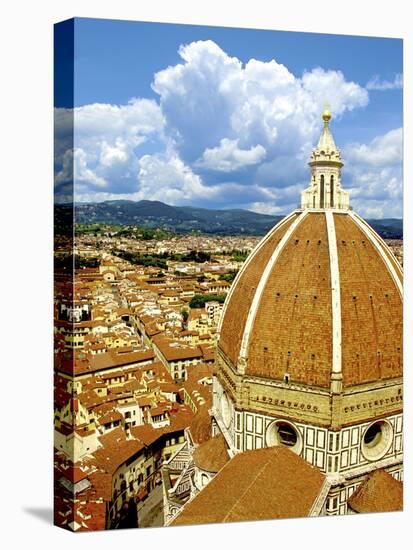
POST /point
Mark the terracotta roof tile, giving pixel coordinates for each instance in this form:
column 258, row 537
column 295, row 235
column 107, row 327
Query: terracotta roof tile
column 379, row 492
column 101, row 361
column 212, row 455
column 294, row 318
column 371, row 309
column 256, row 485
column 200, row 427
column 238, row 307
column 292, row 329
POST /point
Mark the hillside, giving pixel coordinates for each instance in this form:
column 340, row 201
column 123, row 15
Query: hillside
column 185, row 219
column 182, row 219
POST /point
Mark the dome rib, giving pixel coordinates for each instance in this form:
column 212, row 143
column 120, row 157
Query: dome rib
column 335, row 302
column 292, row 329
column 262, row 283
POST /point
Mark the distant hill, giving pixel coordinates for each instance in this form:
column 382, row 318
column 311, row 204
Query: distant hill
column 185, row 219
column 182, row 219
column 388, row 228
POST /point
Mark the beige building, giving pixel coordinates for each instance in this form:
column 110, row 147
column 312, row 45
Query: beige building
column 309, row 377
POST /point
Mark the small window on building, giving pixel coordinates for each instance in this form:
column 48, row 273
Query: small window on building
column 373, row 435
column 286, row 434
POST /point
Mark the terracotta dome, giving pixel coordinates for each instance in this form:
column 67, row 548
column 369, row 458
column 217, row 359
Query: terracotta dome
column 320, row 297
column 200, row 426
column 212, row 455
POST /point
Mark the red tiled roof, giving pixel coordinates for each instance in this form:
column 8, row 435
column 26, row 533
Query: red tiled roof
column 102, row 361
column 379, row 492
column 256, row 485
column 212, row 455
column 200, row 427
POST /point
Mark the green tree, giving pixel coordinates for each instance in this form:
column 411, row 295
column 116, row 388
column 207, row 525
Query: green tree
column 199, row 300
column 185, row 315
column 229, row 277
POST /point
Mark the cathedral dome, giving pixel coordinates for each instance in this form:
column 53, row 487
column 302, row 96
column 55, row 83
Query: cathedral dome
column 319, row 301
column 320, row 295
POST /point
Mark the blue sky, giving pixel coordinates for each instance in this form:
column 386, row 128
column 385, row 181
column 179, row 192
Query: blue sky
column 223, row 117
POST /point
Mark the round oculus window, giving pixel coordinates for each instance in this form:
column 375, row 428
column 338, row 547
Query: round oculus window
column 284, row 433
column 287, row 435
column 377, row 440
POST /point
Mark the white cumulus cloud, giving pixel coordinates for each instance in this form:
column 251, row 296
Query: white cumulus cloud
column 102, row 140
column 170, row 180
column 212, row 96
column 382, row 151
column 376, row 83
column 220, row 129
column 228, row 157
column 375, row 175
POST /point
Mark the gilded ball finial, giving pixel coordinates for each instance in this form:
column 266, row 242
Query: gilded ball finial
column 326, row 113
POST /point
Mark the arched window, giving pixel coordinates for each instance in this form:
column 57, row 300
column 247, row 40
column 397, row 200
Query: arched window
column 332, row 191
column 322, row 191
